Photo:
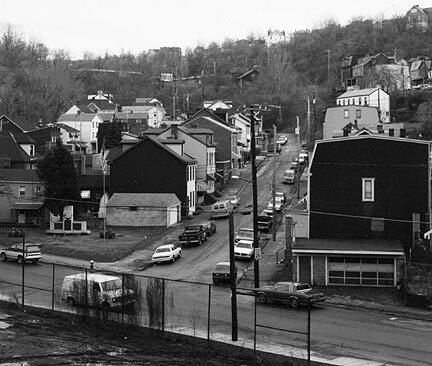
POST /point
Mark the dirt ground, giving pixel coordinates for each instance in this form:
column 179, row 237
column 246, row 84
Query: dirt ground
column 39, row 337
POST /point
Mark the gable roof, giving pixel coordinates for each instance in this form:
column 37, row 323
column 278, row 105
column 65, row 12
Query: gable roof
column 155, row 200
column 359, row 93
column 153, row 140
column 138, row 108
column 79, row 117
column 209, row 119
column 374, row 136
column 207, row 112
column 22, row 175
column 10, row 149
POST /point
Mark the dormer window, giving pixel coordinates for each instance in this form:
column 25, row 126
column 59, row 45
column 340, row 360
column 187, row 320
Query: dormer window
column 32, row 150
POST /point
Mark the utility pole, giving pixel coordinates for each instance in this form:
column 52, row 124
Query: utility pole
column 255, row 200
column 274, row 184
column 214, row 73
column 289, row 231
column 298, row 156
column 308, row 120
column 233, row 279
column 328, row 67
column 103, row 183
column 22, row 271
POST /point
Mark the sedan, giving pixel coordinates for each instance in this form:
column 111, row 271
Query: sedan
column 235, row 200
column 209, row 227
column 166, row 253
column 278, row 205
column 222, row 273
column 244, row 249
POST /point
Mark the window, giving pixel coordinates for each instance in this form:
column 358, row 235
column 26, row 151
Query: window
column 31, row 150
column 133, row 208
column 365, row 101
column 38, row 190
column 358, row 113
column 368, row 189
column 346, row 113
column 360, row 101
column 348, row 102
column 22, row 191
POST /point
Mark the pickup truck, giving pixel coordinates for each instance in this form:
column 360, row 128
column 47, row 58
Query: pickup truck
column 290, row 293
column 193, row 235
column 264, row 222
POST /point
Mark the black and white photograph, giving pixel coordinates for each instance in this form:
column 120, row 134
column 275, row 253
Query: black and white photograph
column 221, row 183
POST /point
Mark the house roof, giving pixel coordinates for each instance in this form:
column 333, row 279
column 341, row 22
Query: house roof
column 155, row 131
column 67, row 128
column 114, row 153
column 247, row 73
column 79, row 117
column 210, row 119
column 137, row 108
column 376, row 137
column 21, row 123
column 349, row 246
column 106, row 116
column 22, row 175
column 359, row 93
column 154, row 140
column 416, row 65
column 155, row 200
column 10, row 149
column 20, row 138
column 196, row 131
column 206, row 112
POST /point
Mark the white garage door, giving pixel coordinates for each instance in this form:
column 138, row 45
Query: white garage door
column 172, row 215
column 361, row 271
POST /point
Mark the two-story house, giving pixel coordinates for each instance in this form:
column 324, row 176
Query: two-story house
column 418, row 72
column 87, row 124
column 225, row 138
column 197, row 143
column 153, row 114
column 243, row 125
column 368, row 199
column 16, row 153
column 373, row 97
column 419, row 18
column 21, row 197
column 149, row 166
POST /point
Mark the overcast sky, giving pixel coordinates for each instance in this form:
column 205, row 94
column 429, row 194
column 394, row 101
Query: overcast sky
column 140, row 25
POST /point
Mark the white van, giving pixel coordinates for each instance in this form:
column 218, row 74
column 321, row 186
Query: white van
column 222, row 208
column 102, row 291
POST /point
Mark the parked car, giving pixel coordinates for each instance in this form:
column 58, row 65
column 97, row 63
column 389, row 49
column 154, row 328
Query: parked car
column 32, row 253
column 293, row 165
column 222, row 209
column 290, row 293
column 264, row 222
column 103, row 291
column 234, row 199
column 15, row 232
column 244, row 250
column 282, row 139
column 244, row 234
column 289, row 176
column 222, row 273
column 166, row 253
column 281, row 196
column 109, row 234
column 278, row 204
column 267, row 212
column 209, row 227
column 193, row 235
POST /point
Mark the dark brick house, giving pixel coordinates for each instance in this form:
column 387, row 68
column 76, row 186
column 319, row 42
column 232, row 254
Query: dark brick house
column 151, row 167
column 367, row 202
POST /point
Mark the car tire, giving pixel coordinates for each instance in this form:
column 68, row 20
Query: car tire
column 20, row 259
column 180, row 254
column 294, row 302
column 199, row 242
column 70, row 301
column 173, row 259
column 262, row 298
column 3, row 257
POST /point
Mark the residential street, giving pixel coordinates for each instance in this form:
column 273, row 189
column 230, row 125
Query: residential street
column 335, row 331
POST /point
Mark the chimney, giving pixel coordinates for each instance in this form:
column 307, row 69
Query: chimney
column 402, row 132
column 356, row 124
column 391, row 132
column 174, row 131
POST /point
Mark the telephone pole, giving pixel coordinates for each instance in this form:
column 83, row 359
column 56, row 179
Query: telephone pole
column 274, row 184
column 328, row 66
column 233, row 279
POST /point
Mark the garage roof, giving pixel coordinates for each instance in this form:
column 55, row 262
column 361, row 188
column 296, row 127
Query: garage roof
column 349, row 246
column 143, row 200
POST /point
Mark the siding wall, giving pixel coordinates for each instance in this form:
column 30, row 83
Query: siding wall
column 119, row 216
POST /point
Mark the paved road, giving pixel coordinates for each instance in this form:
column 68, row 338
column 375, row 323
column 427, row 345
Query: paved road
column 335, row 331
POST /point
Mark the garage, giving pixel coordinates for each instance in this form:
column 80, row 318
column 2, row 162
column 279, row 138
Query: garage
column 348, row 262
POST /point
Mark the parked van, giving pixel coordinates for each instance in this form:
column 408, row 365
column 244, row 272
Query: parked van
column 102, row 291
column 289, row 176
column 222, row 208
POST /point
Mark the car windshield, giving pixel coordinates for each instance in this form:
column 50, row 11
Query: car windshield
column 33, row 249
column 303, row 286
column 111, row 285
column 222, row 268
column 244, row 245
column 246, row 233
column 162, row 250
column 192, row 228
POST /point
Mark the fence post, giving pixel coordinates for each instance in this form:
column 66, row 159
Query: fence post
column 208, row 315
column 309, row 332
column 23, row 271
column 53, row 284
column 86, row 293
column 163, row 304
column 122, row 296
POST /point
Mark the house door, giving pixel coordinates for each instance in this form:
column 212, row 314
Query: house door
column 21, row 217
column 68, row 224
column 305, row 268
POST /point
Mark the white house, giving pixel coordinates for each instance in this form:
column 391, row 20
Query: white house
column 155, row 113
column 243, row 125
column 86, row 123
column 373, row 97
column 275, row 37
